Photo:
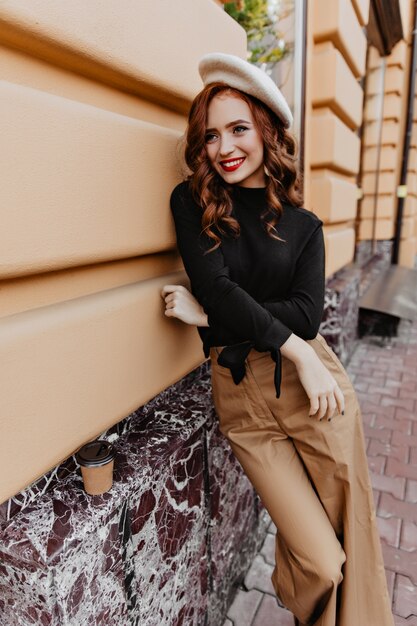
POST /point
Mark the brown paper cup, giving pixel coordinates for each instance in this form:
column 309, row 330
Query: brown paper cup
column 96, row 459
column 98, row 479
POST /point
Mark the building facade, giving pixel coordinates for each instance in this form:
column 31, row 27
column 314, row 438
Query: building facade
column 94, row 102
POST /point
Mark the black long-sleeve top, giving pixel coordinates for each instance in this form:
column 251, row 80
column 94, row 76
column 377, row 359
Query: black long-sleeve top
column 255, row 290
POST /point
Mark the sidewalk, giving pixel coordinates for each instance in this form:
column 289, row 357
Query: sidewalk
column 384, row 373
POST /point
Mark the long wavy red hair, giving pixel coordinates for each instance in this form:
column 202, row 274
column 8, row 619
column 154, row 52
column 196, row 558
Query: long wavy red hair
column 209, row 189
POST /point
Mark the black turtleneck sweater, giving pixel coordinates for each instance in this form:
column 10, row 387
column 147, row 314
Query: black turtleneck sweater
column 255, row 290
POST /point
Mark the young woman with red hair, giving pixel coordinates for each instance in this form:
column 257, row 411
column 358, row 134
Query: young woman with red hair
column 255, row 260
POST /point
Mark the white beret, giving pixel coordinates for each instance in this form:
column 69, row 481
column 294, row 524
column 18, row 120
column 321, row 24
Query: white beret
column 241, row 75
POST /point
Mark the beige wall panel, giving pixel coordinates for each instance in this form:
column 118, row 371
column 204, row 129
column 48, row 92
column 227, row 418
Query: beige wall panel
column 124, row 170
column 374, row 59
column 332, row 198
column 399, row 54
column 406, row 15
column 415, row 229
column 31, row 292
column 337, row 21
column 384, row 229
column 408, row 248
column 394, row 81
column 386, row 206
column 410, row 205
column 334, row 85
column 118, row 47
column 392, row 107
column 340, row 248
column 412, row 183
column 362, row 11
column 17, row 67
column 407, row 227
column 88, row 355
column 390, row 133
column 388, row 158
column 412, row 160
column 333, row 144
column 386, row 183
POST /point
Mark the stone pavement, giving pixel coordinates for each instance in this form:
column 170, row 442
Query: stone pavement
column 384, row 373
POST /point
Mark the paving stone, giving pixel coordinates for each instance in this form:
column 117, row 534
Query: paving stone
column 399, row 439
column 382, row 434
column 404, row 414
column 401, row 403
column 391, row 484
column 388, row 506
column 413, row 456
column 228, row 623
column 377, row 464
column 270, row 614
column 396, row 468
column 407, row 393
column 387, row 391
column 400, row 621
column 259, row 576
column 368, row 418
column 401, row 453
column 403, row 425
column 272, row 528
column 374, row 398
column 405, row 597
column 400, row 561
column 411, row 491
column 379, row 409
column 408, row 539
column 390, row 530
column 390, row 583
column 268, row 549
column 244, row 606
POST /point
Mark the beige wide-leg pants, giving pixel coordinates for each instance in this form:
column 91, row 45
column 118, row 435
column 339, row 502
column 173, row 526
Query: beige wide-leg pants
column 312, row 477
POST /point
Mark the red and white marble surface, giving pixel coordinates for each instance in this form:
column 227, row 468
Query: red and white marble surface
column 164, row 547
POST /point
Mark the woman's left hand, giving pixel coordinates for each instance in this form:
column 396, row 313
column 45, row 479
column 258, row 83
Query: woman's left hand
column 180, row 303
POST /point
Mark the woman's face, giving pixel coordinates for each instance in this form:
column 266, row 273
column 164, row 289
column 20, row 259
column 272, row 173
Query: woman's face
column 233, row 143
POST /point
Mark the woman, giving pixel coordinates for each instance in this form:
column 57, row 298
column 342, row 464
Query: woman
column 255, row 260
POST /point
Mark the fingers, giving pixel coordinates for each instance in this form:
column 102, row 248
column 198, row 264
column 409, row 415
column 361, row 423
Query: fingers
column 167, row 289
column 325, row 406
column 340, row 399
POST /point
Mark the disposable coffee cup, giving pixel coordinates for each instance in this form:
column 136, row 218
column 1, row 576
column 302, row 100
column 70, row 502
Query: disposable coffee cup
column 96, row 460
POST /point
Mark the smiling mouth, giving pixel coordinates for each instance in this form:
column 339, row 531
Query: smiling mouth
column 232, row 164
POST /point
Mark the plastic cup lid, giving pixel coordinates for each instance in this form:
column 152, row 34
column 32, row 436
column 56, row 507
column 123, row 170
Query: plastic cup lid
column 95, row 453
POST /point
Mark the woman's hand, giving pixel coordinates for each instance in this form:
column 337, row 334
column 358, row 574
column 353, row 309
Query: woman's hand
column 322, row 389
column 180, row 303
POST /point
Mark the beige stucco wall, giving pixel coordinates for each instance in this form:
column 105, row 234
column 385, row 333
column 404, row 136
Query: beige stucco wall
column 336, row 53
column 382, row 194
column 93, row 101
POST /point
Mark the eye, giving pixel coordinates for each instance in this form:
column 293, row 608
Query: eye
column 210, row 137
column 240, row 129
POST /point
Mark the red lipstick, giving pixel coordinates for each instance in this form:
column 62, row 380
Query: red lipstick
column 230, row 165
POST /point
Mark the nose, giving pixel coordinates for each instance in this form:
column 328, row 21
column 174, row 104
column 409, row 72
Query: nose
column 226, row 145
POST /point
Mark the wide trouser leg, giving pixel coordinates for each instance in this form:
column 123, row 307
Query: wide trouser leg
column 312, row 477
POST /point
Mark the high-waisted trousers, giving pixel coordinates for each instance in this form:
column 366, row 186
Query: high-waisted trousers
column 312, row 477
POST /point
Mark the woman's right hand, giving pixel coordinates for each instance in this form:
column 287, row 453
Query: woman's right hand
column 320, row 386
column 180, row 303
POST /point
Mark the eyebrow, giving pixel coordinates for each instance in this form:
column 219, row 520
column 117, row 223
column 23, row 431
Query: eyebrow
column 234, row 123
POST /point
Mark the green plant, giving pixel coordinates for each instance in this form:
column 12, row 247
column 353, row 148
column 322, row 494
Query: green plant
column 266, row 45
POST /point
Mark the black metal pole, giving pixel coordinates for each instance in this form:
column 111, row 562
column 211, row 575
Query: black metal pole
column 407, row 139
